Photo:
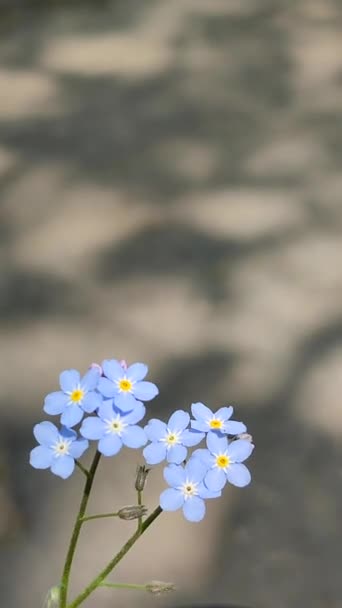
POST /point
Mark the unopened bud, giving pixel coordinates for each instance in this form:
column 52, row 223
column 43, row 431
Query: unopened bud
column 159, row 587
column 53, row 598
column 123, row 364
column 97, row 367
column 140, row 481
column 132, row 512
column 245, row 436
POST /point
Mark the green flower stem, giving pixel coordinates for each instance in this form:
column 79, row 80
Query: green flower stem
column 82, row 468
column 96, row 582
column 99, row 516
column 123, row 586
column 140, row 498
column 76, row 531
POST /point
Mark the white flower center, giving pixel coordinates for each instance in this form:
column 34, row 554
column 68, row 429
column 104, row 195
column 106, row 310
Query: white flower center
column 62, row 446
column 115, row 426
column 171, row 438
column 189, row 489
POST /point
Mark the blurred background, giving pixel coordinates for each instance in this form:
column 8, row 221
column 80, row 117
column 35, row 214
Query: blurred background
column 170, row 191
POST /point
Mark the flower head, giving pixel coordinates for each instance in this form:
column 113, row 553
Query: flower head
column 78, row 395
column 187, row 489
column 125, row 384
column 219, row 422
column 114, row 428
column 57, row 450
column 224, row 461
column 170, row 440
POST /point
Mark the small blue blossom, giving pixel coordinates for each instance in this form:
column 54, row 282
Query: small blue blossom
column 124, row 384
column 206, row 420
column 187, row 489
column 170, row 440
column 78, row 395
column 114, row 428
column 224, row 461
column 57, row 450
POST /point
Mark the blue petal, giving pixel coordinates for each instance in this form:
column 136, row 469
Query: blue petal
column 239, row 450
column 232, row 427
column 78, row 447
column 72, row 415
column 215, row 479
column 92, row 428
column 55, row 403
column 194, row 509
column 224, row 413
column 107, row 388
column 171, row 500
column 63, row 466
column 176, row 454
column 125, row 401
column 238, row 475
column 145, row 391
column 203, row 492
column 195, row 469
column 137, row 371
column 41, row 457
column 216, row 443
column 178, row 421
column 91, row 401
column 137, row 414
column 205, row 457
column 90, row 380
column 106, row 410
column 110, row 445
column 154, row 453
column 46, row 433
column 112, row 369
column 68, row 433
column 69, row 380
column 174, row 475
column 191, row 437
column 155, row 429
column 134, row 437
column 199, row 425
column 201, row 411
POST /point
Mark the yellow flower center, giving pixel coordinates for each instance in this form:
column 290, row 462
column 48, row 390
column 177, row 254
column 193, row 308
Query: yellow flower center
column 125, row 385
column 171, row 439
column 222, row 461
column 77, row 395
column 215, row 423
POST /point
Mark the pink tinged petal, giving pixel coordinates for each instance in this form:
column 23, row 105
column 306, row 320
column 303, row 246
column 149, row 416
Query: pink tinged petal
column 63, row 466
column 91, row 402
column 110, row 445
column 112, row 369
column 107, row 388
column 72, row 415
column 78, row 448
column 192, row 437
column 137, row 371
column 201, row 411
column 216, row 444
column 55, row 403
column 125, row 402
column 46, row 433
column 92, row 428
column 238, row 475
column 134, row 437
column 154, row 453
column 232, row 427
column 239, row 450
column 137, row 414
column 155, row 429
column 224, row 413
column 194, row 509
column 215, row 479
column 178, row 421
column 145, row 391
column 174, row 475
column 90, row 380
column 171, row 500
column 69, row 380
column 176, row 454
column 41, row 457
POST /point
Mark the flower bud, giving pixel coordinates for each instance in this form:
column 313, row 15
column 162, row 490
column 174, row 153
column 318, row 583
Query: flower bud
column 123, row 364
column 132, row 512
column 245, row 436
column 97, row 367
column 159, row 587
column 140, row 481
column 53, row 598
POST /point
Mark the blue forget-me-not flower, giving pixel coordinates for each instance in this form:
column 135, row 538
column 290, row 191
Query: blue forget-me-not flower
column 206, row 420
column 57, row 450
column 114, row 428
column 170, row 440
column 78, row 395
column 125, row 385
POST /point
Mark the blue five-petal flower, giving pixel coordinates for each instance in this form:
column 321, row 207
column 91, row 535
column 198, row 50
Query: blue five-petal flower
column 206, row 420
column 126, row 386
column 170, row 440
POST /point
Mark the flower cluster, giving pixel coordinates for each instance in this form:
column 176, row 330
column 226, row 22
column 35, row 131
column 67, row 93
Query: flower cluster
column 113, row 393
